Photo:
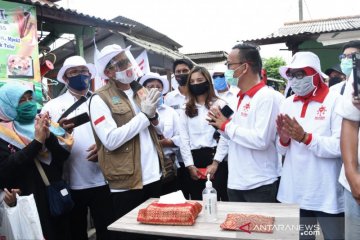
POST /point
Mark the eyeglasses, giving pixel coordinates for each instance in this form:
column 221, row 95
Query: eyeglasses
column 121, row 64
column 75, row 72
column 343, row 56
column 298, row 74
column 228, row 65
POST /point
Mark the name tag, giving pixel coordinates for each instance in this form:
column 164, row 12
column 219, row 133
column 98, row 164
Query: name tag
column 175, row 106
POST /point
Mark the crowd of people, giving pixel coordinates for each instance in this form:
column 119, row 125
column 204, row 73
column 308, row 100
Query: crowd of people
column 144, row 139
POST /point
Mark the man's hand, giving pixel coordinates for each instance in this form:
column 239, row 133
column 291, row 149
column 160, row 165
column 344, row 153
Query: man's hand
column 148, row 105
column 69, row 127
column 92, row 156
column 193, row 172
column 215, row 117
column 10, row 197
column 354, row 182
column 281, row 129
column 212, row 168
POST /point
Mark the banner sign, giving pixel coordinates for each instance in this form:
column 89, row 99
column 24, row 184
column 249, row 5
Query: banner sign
column 19, row 54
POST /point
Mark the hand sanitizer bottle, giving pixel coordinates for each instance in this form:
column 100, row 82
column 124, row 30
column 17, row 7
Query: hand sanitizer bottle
column 210, row 201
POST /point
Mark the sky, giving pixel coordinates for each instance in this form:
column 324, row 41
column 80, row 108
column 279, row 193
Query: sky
column 216, row 25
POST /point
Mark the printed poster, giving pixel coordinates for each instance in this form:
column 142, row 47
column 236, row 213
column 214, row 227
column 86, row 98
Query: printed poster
column 19, row 55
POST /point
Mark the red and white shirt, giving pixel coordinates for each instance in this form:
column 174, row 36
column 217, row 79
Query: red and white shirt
column 250, row 140
column 310, row 172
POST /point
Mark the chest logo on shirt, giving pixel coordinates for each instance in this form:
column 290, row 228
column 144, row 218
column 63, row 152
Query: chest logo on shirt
column 245, row 110
column 320, row 114
column 115, row 99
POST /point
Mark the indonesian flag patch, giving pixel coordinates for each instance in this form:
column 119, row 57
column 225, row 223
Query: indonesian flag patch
column 99, row 120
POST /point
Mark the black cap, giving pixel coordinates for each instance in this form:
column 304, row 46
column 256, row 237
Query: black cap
column 336, row 68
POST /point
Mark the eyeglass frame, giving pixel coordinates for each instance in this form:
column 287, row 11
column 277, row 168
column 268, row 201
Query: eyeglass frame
column 120, row 64
column 76, row 72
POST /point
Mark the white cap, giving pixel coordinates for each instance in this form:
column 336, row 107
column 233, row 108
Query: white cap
column 302, row 60
column 162, row 79
column 75, row 61
column 220, row 68
column 105, row 55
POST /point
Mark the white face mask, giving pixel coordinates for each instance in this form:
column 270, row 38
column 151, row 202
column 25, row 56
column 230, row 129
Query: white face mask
column 302, row 87
column 126, row 76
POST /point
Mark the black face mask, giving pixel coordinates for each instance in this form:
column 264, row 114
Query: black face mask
column 334, row 80
column 199, row 89
column 181, row 79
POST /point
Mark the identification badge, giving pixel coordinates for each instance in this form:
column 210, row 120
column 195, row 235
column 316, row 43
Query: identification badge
column 64, row 192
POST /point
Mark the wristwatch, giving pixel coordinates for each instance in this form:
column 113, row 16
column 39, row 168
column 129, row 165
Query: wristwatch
column 154, row 118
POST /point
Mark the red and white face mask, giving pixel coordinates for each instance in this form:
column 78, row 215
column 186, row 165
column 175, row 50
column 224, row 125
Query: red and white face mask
column 126, row 76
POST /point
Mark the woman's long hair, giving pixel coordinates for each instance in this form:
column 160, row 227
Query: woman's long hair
column 191, row 109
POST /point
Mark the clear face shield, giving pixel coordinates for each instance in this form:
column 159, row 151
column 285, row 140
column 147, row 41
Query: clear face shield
column 125, row 67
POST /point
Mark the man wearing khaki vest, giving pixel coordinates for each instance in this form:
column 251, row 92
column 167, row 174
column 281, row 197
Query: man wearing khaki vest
column 125, row 122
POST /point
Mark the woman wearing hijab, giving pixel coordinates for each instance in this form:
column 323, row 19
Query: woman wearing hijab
column 25, row 136
column 198, row 146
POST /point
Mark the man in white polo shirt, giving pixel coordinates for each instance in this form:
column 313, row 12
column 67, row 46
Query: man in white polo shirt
column 252, row 156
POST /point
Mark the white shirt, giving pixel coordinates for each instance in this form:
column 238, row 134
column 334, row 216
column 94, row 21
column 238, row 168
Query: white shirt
column 230, row 98
column 348, row 111
column 195, row 133
column 252, row 156
column 170, row 118
column 175, row 100
column 78, row 171
column 310, row 172
column 337, row 87
column 112, row 137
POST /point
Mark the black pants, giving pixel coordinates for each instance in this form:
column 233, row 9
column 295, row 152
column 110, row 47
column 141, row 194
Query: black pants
column 203, row 157
column 332, row 225
column 265, row 193
column 98, row 200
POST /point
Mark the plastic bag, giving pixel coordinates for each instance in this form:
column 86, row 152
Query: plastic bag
column 22, row 221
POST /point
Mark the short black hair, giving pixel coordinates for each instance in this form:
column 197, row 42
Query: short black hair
column 250, row 54
column 185, row 61
column 352, row 44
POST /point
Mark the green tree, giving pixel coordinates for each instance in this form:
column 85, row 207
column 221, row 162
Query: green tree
column 271, row 65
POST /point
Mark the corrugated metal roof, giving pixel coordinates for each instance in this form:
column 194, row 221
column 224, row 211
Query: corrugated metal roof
column 142, row 31
column 49, row 5
column 202, row 55
column 311, row 27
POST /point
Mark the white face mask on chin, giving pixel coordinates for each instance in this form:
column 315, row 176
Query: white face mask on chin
column 126, row 76
column 304, row 86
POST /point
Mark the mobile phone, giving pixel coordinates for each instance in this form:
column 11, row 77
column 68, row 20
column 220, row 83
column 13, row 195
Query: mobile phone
column 79, row 119
column 227, row 111
column 356, row 74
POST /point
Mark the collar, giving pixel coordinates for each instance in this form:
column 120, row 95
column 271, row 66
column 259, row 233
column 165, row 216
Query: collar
column 320, row 94
column 252, row 91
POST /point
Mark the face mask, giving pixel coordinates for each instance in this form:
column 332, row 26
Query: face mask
column 302, row 87
column 181, row 79
column 334, row 80
column 79, row 82
column 220, row 83
column 161, row 101
column 229, row 76
column 26, row 112
column 199, row 89
column 346, row 66
column 126, row 76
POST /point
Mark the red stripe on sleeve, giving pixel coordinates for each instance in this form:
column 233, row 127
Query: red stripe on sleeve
column 99, row 120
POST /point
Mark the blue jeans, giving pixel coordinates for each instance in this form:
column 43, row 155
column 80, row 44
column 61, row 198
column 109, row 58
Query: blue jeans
column 352, row 217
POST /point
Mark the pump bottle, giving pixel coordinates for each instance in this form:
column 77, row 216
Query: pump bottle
column 209, row 201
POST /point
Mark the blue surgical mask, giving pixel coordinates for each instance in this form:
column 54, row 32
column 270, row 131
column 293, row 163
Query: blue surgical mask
column 161, row 101
column 79, row 82
column 346, row 66
column 229, row 76
column 304, row 86
column 220, row 83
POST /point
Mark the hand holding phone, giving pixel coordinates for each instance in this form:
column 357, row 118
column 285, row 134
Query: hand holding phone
column 78, row 120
